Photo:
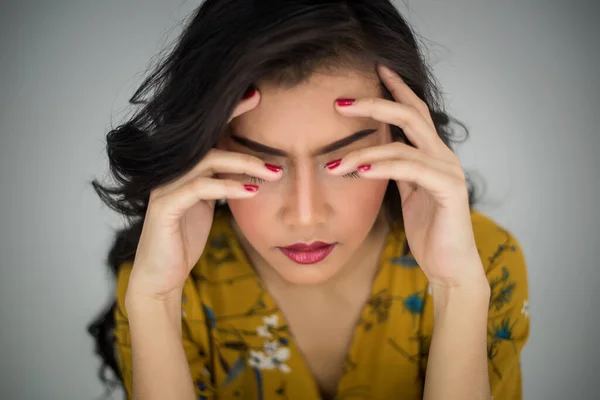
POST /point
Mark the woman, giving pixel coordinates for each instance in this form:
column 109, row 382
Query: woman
column 298, row 220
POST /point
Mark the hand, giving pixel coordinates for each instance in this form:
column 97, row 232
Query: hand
column 180, row 214
column 430, row 180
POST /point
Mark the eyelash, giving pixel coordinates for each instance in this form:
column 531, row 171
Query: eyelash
column 254, row 179
column 353, row 174
column 258, row 181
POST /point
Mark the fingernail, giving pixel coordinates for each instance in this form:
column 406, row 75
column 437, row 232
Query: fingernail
column 363, row 168
column 273, row 168
column 333, row 164
column 249, row 93
column 251, row 188
column 345, row 102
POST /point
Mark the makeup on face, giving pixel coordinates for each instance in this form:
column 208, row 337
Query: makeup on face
column 264, row 150
column 299, row 129
column 330, row 148
column 312, row 253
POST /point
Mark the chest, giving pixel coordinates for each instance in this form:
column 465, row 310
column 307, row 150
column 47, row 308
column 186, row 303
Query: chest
column 323, row 334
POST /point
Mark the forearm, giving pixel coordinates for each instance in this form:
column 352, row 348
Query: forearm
column 160, row 366
column 457, row 362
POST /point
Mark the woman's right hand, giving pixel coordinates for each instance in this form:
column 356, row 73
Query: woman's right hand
column 180, row 215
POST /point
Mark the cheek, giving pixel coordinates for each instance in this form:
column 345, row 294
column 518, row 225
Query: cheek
column 360, row 200
column 254, row 216
column 244, row 212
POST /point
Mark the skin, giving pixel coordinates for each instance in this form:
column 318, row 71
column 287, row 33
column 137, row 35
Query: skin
column 309, row 204
column 437, row 223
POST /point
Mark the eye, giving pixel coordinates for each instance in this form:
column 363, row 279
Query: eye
column 253, row 179
column 353, row 174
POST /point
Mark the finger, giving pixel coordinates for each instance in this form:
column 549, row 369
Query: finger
column 249, row 101
column 176, row 203
column 441, row 185
column 395, row 150
column 402, row 93
column 418, row 131
column 221, row 161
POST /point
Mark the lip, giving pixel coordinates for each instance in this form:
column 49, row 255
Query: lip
column 312, row 253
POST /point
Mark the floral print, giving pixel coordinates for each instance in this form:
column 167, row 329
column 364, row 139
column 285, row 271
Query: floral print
column 525, row 309
column 239, row 346
column 275, row 353
column 272, row 357
column 269, row 324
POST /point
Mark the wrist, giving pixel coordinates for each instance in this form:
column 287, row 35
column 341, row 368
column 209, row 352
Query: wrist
column 141, row 306
column 472, row 296
column 141, row 286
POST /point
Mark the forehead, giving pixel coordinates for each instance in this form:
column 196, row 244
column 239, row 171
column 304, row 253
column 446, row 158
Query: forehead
column 303, row 117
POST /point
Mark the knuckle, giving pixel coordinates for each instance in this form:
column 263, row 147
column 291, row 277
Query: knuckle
column 250, row 159
column 459, row 186
column 212, row 153
column 157, row 206
column 156, row 195
column 226, row 184
column 353, row 155
column 412, row 115
column 422, row 106
column 369, row 102
column 460, row 173
column 399, row 147
column 231, row 186
column 198, row 183
column 416, row 167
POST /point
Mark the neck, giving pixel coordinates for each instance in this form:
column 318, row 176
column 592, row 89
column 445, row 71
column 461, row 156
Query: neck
column 361, row 269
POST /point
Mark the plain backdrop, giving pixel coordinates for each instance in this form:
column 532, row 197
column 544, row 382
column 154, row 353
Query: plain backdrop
column 521, row 74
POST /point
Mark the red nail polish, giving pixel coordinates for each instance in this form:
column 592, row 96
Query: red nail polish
column 363, row 168
column 251, row 188
column 333, row 164
column 273, row 168
column 345, row 102
column 249, row 93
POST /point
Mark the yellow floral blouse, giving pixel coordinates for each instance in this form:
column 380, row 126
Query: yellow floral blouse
column 239, row 347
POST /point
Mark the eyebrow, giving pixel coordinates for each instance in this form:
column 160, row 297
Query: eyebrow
column 338, row 144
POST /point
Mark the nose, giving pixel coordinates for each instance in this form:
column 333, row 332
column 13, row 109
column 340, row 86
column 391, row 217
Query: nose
column 305, row 204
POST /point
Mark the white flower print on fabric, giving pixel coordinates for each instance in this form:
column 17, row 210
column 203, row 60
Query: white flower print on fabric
column 271, row 346
column 273, row 355
column 270, row 323
column 525, row 309
column 260, row 360
column 263, row 331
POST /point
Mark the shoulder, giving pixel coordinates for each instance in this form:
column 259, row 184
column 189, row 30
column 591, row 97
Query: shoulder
column 495, row 242
column 487, row 231
column 504, row 263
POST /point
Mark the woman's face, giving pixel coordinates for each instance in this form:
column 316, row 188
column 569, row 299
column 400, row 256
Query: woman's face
column 307, row 204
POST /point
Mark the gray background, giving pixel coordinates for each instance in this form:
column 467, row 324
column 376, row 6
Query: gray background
column 521, row 74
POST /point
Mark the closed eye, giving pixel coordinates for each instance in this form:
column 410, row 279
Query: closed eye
column 353, row 174
column 253, row 179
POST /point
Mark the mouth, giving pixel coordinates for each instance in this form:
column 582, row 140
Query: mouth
column 312, row 253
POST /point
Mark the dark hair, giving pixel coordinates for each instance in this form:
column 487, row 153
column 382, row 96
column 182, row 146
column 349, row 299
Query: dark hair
column 227, row 47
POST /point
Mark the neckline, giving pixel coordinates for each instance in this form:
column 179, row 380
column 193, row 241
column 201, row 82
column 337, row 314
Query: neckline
column 395, row 238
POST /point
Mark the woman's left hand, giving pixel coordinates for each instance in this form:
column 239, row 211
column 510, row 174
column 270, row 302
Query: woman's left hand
column 431, row 182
